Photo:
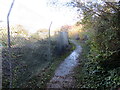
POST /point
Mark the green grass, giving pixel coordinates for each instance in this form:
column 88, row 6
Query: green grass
column 80, row 69
column 41, row 79
column 86, row 78
column 31, row 69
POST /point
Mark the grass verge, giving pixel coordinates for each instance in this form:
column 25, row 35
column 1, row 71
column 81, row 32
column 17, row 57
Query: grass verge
column 80, row 69
column 43, row 77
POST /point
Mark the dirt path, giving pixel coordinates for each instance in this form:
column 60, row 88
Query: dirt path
column 63, row 77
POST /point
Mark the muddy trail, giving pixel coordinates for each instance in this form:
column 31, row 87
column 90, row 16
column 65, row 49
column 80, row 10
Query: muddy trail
column 63, row 74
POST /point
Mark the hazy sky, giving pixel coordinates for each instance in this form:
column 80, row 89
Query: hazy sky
column 35, row 14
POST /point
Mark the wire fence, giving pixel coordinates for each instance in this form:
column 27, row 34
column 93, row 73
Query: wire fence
column 0, row 66
column 25, row 54
column 29, row 53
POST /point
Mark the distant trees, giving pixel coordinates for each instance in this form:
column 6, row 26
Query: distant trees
column 17, row 34
column 40, row 34
column 3, row 36
column 19, row 30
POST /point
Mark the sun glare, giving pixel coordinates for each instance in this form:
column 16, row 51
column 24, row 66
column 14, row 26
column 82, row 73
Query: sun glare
column 36, row 14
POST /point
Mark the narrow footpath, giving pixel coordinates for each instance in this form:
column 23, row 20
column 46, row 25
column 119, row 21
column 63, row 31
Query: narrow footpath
column 63, row 74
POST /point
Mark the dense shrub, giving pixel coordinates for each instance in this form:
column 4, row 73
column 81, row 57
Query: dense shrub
column 102, row 69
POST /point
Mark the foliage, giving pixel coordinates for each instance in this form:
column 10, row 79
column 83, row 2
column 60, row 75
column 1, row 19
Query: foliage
column 101, row 69
column 41, row 79
column 30, row 58
column 26, row 61
column 18, row 35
